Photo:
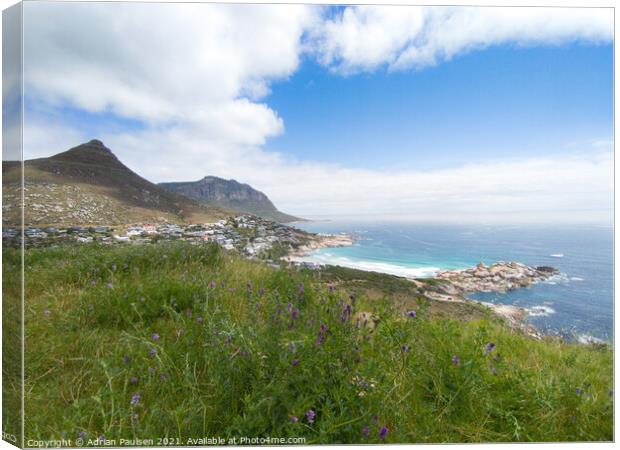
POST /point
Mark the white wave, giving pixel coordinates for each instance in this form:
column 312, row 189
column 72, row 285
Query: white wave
column 557, row 255
column 370, row 266
column 576, row 279
column 587, row 339
column 540, row 311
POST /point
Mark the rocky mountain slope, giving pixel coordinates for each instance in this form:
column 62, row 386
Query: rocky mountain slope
column 89, row 185
column 229, row 194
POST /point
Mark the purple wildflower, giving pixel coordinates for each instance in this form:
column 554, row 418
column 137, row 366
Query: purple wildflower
column 293, row 419
column 456, row 360
column 366, row 430
column 163, row 377
column 493, row 370
column 126, row 359
column 412, row 313
column 113, row 266
column 383, row 432
column 310, row 415
column 330, row 287
column 141, row 299
column 155, row 336
column 261, row 291
column 578, row 391
column 249, row 286
column 135, row 399
column 405, row 348
column 212, row 285
column 489, row 348
column 295, row 313
column 93, row 283
column 133, row 380
column 323, row 328
column 199, row 319
column 82, row 435
column 153, row 352
column 296, row 362
column 110, row 286
column 229, row 339
column 301, row 288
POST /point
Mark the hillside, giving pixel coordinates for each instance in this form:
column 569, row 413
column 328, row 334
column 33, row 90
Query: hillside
column 230, row 194
column 184, row 341
column 89, row 185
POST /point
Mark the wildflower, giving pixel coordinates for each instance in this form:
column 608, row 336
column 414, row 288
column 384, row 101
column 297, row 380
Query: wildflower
column 383, row 432
column 93, row 283
column 261, row 291
column 412, row 313
column 47, row 312
column 135, row 399
column 366, row 430
column 141, row 299
column 301, row 288
column 163, row 377
column 493, row 370
column 578, row 391
column 310, row 415
column 249, row 286
column 295, row 313
column 223, row 284
column 323, row 328
column 155, row 336
column 212, row 285
column 456, row 360
column 82, row 435
column 330, row 287
column 293, row 419
column 489, row 348
column 133, row 380
column 229, row 339
column 113, row 266
column 405, row 348
column 199, row 319
column 153, row 352
column 110, row 286
column 296, row 362
column 126, row 359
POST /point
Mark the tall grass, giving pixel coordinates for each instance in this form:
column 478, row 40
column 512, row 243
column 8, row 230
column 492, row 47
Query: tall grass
column 181, row 341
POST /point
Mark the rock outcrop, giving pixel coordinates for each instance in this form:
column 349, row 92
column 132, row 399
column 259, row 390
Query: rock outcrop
column 498, row 277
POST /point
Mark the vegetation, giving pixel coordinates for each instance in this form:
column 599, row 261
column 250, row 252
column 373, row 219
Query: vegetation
column 181, row 341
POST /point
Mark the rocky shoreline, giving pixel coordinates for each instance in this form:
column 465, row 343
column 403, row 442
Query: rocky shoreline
column 455, row 285
column 498, row 277
column 317, row 242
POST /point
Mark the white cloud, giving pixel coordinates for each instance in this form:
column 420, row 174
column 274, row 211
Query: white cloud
column 368, row 37
column 200, row 65
column 196, row 76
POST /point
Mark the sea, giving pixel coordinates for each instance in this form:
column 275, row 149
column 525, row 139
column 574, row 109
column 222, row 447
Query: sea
column 577, row 304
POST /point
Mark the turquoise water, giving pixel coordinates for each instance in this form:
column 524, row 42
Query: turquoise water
column 577, row 304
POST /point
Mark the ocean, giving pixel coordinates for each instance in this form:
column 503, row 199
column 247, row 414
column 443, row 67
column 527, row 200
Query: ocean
column 577, row 304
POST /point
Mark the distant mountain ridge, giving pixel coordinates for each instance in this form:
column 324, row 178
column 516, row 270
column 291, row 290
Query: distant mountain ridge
column 230, row 194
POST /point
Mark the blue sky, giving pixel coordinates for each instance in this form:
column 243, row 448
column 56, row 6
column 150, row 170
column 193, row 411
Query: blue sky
column 434, row 113
column 501, row 102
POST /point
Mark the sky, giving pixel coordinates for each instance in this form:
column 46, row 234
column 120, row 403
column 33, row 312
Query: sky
column 448, row 114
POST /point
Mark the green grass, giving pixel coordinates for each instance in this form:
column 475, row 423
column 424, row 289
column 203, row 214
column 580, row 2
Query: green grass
column 223, row 362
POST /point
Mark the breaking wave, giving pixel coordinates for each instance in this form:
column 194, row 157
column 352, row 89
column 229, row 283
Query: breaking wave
column 540, row 311
column 371, row 266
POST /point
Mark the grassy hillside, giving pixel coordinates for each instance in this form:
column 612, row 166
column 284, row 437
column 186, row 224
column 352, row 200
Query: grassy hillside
column 183, row 341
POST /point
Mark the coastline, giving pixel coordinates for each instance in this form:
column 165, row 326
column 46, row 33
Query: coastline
column 455, row 285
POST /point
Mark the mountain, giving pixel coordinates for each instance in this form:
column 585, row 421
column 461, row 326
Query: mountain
column 89, row 185
column 230, row 194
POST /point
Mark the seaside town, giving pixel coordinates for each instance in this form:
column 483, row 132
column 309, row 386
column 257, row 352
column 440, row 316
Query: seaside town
column 250, row 235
